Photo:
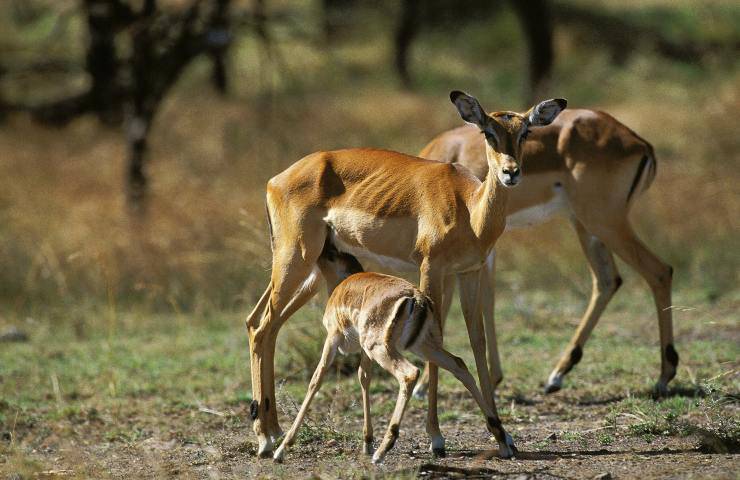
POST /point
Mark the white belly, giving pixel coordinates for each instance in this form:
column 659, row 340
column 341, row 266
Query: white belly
column 537, row 214
column 359, row 234
column 390, row 263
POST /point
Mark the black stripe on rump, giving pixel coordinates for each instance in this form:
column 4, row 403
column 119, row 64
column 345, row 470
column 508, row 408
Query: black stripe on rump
column 636, row 181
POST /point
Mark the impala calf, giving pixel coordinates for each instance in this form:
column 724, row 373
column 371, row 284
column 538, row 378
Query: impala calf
column 408, row 212
column 380, row 316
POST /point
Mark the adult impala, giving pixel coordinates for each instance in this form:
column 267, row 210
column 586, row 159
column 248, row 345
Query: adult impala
column 407, row 212
column 591, row 167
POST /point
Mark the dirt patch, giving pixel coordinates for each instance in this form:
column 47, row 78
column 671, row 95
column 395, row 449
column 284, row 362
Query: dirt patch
column 557, row 437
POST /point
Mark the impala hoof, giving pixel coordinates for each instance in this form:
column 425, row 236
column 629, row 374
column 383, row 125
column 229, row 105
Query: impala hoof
column 264, row 453
column 420, row 391
column 554, row 383
column 660, row 390
column 508, row 449
column 552, row 388
column 265, row 448
column 279, row 455
column 437, row 447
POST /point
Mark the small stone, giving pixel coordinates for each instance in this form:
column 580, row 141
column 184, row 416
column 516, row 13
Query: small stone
column 331, row 443
column 603, row 476
column 553, row 437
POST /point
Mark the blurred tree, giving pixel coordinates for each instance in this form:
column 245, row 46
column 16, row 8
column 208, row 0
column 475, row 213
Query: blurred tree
column 534, row 15
column 407, row 29
column 334, row 12
column 163, row 44
column 105, row 19
column 622, row 36
column 129, row 88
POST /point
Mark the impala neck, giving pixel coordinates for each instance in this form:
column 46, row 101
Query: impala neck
column 488, row 212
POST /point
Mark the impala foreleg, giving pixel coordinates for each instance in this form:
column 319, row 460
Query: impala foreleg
column 456, row 366
column 605, row 282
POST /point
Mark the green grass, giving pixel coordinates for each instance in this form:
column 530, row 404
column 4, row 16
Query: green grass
column 183, row 365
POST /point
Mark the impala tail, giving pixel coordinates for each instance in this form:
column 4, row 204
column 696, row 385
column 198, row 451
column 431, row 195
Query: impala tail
column 646, row 171
column 419, row 309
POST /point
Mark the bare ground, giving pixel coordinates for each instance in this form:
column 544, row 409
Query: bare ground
column 557, row 437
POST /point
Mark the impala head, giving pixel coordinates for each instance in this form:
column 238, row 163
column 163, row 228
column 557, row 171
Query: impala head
column 506, row 132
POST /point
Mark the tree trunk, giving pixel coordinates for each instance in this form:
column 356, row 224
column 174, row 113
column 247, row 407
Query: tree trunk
column 407, row 29
column 137, row 132
column 219, row 39
column 536, row 21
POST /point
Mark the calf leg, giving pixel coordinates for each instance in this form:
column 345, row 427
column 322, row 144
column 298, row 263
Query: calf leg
column 420, row 391
column 365, row 373
column 327, row 357
column 407, row 375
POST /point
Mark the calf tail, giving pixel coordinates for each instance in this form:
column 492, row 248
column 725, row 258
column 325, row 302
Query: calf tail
column 421, row 311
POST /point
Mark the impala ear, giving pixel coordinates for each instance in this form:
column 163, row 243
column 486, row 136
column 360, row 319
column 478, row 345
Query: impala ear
column 545, row 112
column 469, row 109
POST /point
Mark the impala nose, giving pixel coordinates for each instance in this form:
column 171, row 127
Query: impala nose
column 511, row 175
column 512, row 172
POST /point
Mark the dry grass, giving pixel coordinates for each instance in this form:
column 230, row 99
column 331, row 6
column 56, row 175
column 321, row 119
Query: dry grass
column 66, row 236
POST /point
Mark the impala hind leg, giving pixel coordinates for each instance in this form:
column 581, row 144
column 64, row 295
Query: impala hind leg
column 456, row 366
column 293, row 283
column 420, row 391
column 605, row 282
column 406, row 374
column 327, row 357
column 658, row 276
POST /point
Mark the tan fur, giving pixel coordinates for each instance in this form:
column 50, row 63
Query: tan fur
column 380, row 316
column 594, row 160
column 437, row 217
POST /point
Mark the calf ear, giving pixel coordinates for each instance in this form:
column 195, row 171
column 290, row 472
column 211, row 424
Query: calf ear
column 469, row 109
column 545, row 112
